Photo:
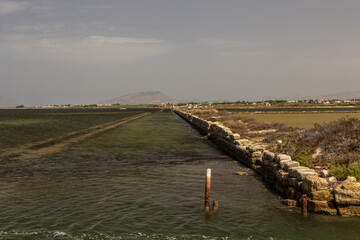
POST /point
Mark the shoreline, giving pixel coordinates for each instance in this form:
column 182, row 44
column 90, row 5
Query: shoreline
column 326, row 194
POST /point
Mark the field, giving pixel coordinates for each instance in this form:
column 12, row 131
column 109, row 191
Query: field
column 24, row 131
column 299, row 120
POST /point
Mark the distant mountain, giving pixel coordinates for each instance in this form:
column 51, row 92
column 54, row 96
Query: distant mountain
column 150, row 97
column 343, row 95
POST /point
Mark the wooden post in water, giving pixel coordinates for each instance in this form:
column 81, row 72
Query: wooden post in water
column 303, row 204
column 207, row 190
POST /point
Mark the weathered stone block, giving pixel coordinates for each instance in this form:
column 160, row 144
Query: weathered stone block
column 289, row 202
column 324, row 173
column 332, row 179
column 348, row 211
column 322, row 195
column 290, row 164
column 269, row 155
column 290, row 192
column 283, row 162
column 350, row 179
column 281, row 175
column 323, row 207
column 310, row 183
column 255, row 148
column 274, row 165
column 266, row 162
column 280, row 157
column 256, row 158
column 324, row 182
column 242, row 142
column 292, row 182
column 293, row 170
column 300, row 175
column 298, row 185
column 347, row 193
column 234, row 136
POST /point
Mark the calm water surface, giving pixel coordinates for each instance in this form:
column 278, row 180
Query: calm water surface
column 145, row 180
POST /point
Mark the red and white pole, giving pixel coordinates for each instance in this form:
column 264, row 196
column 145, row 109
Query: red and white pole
column 207, row 190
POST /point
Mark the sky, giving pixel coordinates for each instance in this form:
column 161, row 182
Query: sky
column 86, row 51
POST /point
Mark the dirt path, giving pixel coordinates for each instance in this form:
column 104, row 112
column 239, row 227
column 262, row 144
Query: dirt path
column 52, row 145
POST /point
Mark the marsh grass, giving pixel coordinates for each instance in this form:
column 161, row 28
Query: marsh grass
column 305, row 120
column 159, row 134
column 23, row 126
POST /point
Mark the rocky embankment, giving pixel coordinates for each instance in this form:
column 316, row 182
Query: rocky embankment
column 326, row 195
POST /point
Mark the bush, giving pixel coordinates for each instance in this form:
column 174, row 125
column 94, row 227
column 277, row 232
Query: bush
column 304, row 156
column 343, row 170
column 339, row 141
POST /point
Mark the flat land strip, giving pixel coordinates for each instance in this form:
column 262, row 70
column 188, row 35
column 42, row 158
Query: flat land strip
column 31, row 132
column 299, row 120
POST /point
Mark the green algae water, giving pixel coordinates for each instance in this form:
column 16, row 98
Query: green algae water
column 145, row 180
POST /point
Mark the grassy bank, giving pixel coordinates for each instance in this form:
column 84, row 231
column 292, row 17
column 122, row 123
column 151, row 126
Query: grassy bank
column 299, row 120
column 25, row 126
column 318, row 140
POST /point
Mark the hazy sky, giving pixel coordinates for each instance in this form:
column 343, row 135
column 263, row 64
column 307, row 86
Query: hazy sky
column 84, row 51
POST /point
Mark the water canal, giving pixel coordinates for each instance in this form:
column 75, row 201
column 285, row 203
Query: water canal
column 145, row 180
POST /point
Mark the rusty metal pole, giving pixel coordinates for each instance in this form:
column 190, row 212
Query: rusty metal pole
column 207, row 190
column 215, row 206
column 303, row 204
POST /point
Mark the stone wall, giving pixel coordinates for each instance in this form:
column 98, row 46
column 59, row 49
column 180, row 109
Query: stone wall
column 326, row 194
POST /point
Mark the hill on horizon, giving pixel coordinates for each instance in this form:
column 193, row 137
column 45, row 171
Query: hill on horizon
column 148, row 97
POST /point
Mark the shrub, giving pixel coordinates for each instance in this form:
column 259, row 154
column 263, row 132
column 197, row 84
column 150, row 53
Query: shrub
column 343, row 170
column 304, row 156
column 339, row 141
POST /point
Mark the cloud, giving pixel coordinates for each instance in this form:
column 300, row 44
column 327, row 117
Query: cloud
column 94, row 50
column 9, row 7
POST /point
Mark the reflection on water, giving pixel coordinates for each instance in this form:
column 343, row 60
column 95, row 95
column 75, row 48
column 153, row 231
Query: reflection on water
column 145, row 180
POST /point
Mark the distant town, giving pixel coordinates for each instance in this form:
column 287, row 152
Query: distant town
column 222, row 104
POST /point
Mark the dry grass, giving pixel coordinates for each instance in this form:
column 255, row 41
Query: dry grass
column 299, row 120
column 313, row 139
column 333, row 143
column 247, row 127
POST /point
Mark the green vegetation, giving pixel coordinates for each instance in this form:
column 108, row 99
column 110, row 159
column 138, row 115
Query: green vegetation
column 304, row 156
column 278, row 103
column 329, row 139
column 299, row 120
column 343, row 170
column 158, row 134
column 32, row 125
column 334, row 143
